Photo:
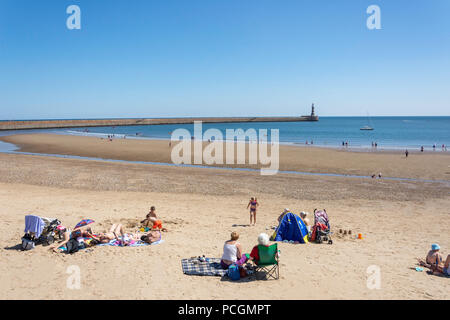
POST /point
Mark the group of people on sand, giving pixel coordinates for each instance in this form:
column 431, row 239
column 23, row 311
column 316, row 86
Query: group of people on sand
column 232, row 249
column 233, row 253
column 253, row 205
column 435, row 262
column 151, row 227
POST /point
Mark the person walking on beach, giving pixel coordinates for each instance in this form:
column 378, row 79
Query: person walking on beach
column 253, row 204
column 421, row 149
column 406, row 153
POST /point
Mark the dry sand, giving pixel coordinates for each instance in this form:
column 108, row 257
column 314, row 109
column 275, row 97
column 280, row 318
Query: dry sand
column 201, row 207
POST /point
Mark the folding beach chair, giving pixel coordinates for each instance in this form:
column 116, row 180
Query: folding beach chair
column 268, row 261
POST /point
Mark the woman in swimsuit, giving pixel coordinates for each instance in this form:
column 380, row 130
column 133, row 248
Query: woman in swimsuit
column 72, row 234
column 253, row 204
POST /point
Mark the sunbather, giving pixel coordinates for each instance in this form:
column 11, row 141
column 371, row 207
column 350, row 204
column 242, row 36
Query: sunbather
column 151, row 237
column 111, row 235
column 232, row 252
column 71, row 234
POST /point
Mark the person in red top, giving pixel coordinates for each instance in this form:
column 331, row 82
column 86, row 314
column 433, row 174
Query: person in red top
column 263, row 240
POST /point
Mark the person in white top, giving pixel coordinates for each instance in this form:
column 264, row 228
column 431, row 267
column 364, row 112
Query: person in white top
column 232, row 252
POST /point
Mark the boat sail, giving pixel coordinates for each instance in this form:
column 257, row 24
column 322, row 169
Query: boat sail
column 368, row 127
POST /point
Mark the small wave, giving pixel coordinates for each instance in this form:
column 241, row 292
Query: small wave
column 94, row 134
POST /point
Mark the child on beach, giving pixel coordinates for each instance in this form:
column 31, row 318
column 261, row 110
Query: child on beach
column 151, row 220
column 253, row 204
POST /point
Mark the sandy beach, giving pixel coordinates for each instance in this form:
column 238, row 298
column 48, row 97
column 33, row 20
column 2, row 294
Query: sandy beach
column 427, row 166
column 398, row 220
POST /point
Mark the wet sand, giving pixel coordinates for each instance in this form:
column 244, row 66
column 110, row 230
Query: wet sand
column 430, row 165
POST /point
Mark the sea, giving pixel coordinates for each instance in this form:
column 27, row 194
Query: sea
column 389, row 132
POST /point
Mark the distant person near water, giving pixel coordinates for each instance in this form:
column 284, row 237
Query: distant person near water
column 406, row 153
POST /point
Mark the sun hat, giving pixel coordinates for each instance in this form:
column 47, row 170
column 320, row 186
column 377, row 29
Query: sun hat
column 435, row 246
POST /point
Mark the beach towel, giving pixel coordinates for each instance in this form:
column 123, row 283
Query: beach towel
column 118, row 243
column 34, row 224
column 211, row 267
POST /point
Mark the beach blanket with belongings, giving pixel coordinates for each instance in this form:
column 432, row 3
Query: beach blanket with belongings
column 208, row 267
column 86, row 242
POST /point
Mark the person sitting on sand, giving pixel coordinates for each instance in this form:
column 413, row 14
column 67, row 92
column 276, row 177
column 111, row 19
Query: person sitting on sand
column 434, row 257
column 152, row 220
column 434, row 261
column 232, row 252
column 280, row 217
column 304, row 216
column 263, row 240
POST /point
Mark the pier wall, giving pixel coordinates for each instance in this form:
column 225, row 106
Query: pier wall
column 48, row 124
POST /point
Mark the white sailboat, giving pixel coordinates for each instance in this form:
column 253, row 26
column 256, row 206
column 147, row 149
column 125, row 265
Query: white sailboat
column 368, row 127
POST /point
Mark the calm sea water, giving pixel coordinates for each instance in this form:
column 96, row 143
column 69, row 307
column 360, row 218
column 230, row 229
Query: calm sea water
column 388, row 133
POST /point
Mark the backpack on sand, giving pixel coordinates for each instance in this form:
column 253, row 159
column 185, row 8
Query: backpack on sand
column 27, row 243
column 233, row 272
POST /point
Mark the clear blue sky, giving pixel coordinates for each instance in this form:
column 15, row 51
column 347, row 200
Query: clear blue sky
column 156, row 58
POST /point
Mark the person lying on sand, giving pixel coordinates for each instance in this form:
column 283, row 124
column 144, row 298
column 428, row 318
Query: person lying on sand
column 126, row 238
column 152, row 236
column 151, row 221
column 111, row 235
column 434, row 261
column 68, row 234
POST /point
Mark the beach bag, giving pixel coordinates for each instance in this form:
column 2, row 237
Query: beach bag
column 72, row 246
column 46, row 240
column 27, row 243
column 243, row 272
column 233, row 272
